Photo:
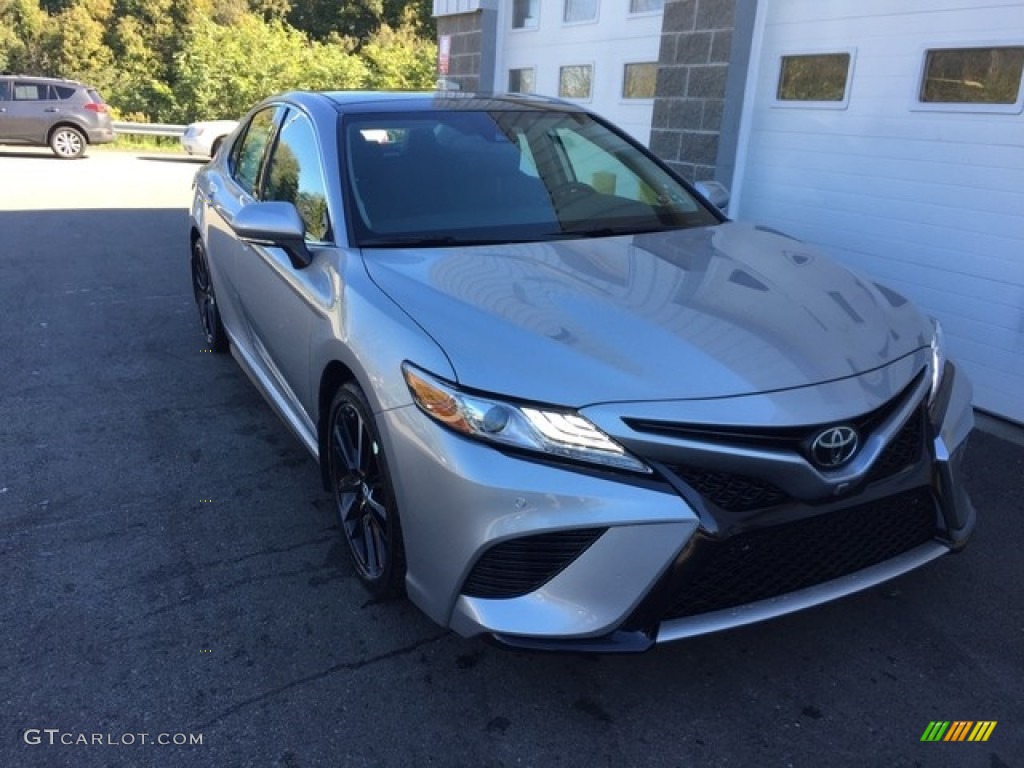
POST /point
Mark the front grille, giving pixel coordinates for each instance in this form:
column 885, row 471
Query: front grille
column 734, row 493
column 765, row 563
column 790, row 439
column 902, row 451
column 519, row 566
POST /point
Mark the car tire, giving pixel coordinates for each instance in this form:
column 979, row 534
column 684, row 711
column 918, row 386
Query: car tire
column 363, row 494
column 206, row 300
column 67, row 143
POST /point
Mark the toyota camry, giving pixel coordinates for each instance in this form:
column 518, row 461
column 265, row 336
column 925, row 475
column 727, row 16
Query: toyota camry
column 558, row 397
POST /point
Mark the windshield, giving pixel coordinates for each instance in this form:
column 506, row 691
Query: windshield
column 448, row 178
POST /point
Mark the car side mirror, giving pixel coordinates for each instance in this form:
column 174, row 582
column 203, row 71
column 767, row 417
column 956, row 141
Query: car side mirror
column 274, row 224
column 715, row 192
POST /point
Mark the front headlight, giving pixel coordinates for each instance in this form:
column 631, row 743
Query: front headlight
column 938, row 346
column 551, row 431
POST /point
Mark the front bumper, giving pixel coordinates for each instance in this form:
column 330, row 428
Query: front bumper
column 546, row 556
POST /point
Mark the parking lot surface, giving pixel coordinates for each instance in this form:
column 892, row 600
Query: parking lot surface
column 172, row 571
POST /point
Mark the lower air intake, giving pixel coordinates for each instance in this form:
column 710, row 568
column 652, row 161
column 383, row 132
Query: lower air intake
column 519, row 566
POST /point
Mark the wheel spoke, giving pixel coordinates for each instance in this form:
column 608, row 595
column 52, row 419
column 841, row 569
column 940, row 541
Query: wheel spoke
column 343, row 447
column 371, row 541
column 378, row 510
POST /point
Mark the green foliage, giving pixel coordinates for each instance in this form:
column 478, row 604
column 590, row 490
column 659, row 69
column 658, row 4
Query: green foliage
column 399, row 59
column 180, row 60
column 224, row 70
column 21, row 30
column 357, row 19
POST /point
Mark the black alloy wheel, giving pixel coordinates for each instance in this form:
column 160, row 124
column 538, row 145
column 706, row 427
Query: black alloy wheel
column 206, row 301
column 363, row 494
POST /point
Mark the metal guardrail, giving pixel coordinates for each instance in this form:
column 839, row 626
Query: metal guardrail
column 150, row 129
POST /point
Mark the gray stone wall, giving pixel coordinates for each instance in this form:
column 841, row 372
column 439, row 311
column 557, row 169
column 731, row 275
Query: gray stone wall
column 697, row 47
column 471, row 60
column 464, row 60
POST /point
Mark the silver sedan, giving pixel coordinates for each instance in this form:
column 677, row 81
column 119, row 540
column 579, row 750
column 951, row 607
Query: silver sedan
column 559, row 398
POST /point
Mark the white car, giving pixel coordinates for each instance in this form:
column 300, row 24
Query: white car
column 205, row 136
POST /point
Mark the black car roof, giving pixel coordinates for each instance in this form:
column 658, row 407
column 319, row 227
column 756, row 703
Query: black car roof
column 402, row 101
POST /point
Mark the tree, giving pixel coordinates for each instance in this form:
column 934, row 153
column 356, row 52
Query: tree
column 224, row 70
column 22, row 24
column 73, row 42
column 399, row 59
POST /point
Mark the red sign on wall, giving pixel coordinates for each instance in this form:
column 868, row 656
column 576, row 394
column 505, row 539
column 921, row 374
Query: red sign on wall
column 444, row 49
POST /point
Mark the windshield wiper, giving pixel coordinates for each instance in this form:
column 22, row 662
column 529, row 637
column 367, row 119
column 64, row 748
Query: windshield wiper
column 423, row 241
column 566, row 234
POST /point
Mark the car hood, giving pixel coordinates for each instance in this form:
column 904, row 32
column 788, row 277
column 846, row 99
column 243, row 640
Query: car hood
column 712, row 312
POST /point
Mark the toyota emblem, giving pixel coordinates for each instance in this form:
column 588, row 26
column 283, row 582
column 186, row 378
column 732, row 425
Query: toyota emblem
column 834, row 447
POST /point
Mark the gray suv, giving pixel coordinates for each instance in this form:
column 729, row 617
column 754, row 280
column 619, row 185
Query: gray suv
column 63, row 115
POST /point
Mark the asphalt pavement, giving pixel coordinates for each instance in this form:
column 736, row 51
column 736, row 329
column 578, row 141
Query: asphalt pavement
column 172, row 572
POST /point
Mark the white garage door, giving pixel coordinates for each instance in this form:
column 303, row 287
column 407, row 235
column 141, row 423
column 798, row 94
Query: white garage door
column 890, row 133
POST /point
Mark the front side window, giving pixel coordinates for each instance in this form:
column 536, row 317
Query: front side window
column 820, row 77
column 520, row 81
column 294, row 174
column 463, row 177
column 973, row 75
column 248, row 153
column 574, row 81
column 639, row 80
column 580, row 10
column 524, row 14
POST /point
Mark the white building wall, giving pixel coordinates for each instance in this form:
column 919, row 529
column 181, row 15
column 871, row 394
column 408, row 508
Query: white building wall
column 929, row 202
column 607, row 44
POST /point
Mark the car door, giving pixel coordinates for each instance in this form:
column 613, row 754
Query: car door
column 29, row 112
column 5, row 98
column 226, row 188
column 277, row 296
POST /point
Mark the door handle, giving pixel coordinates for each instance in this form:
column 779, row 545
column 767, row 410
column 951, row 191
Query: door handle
column 51, row 109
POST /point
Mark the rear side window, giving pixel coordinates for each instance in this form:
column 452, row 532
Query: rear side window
column 245, row 165
column 63, row 92
column 29, row 92
column 5, row 91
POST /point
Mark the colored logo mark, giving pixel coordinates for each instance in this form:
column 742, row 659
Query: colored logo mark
column 959, row 730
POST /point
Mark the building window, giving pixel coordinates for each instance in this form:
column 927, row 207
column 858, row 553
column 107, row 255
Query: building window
column 574, row 81
column 972, row 75
column 646, row 6
column 524, row 14
column 638, row 80
column 520, row 81
column 819, row 77
column 580, row 10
